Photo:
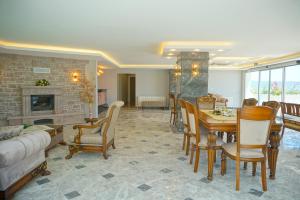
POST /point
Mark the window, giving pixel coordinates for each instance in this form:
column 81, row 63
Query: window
column 276, row 85
column 280, row 84
column 251, row 85
column 264, row 86
column 292, row 84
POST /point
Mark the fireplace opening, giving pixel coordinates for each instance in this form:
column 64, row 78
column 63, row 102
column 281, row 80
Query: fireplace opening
column 42, row 102
column 43, row 121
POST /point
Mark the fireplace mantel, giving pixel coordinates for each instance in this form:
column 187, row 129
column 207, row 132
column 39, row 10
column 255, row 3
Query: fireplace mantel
column 27, row 91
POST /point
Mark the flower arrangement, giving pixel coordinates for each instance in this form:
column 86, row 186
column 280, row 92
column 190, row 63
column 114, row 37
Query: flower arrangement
column 42, row 82
column 87, row 94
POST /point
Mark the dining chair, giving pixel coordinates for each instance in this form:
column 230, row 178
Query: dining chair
column 186, row 131
column 200, row 139
column 275, row 106
column 206, row 102
column 253, row 131
column 173, row 108
column 272, row 104
column 249, row 102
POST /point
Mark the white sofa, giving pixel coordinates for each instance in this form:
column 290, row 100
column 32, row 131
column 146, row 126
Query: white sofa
column 22, row 157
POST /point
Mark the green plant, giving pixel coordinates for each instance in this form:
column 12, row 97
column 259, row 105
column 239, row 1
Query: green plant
column 42, row 82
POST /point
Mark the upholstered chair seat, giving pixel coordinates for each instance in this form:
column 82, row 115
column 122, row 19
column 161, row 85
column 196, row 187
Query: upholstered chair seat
column 231, row 148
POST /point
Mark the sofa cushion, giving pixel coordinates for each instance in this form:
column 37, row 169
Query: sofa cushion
column 32, row 128
column 7, row 132
column 18, row 148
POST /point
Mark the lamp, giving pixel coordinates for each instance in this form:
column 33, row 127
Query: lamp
column 177, row 70
column 99, row 70
column 75, row 76
column 195, row 69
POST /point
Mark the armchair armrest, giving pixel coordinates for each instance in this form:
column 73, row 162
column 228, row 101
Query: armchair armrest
column 100, row 122
column 77, row 137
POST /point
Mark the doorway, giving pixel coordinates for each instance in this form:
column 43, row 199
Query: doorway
column 126, row 89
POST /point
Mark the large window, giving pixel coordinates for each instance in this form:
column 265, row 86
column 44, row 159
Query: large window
column 292, row 84
column 280, row 84
column 264, row 86
column 251, row 85
column 276, row 85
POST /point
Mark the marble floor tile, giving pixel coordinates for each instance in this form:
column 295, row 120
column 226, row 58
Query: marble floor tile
column 133, row 172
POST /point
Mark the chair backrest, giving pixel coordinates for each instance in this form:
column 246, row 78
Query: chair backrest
column 272, row 104
column 249, row 102
column 206, row 102
column 290, row 109
column 112, row 115
column 193, row 120
column 182, row 103
column 254, row 125
column 172, row 101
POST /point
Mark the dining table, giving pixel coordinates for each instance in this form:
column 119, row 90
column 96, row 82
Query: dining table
column 219, row 123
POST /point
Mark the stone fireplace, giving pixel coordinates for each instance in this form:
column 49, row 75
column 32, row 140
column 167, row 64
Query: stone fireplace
column 35, row 98
column 42, row 105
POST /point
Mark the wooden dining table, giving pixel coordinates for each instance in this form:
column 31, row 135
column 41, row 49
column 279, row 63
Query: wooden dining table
column 215, row 123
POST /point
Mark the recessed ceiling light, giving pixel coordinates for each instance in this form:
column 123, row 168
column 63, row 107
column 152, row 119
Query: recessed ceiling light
column 212, row 54
column 170, row 54
column 196, row 49
column 220, row 50
column 172, row 49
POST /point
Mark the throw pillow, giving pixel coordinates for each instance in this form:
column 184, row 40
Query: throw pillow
column 8, row 132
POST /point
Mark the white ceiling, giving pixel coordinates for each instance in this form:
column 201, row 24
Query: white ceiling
column 131, row 31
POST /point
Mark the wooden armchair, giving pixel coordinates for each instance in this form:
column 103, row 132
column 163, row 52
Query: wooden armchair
column 97, row 137
column 290, row 116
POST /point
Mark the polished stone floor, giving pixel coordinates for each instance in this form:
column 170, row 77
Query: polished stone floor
column 148, row 163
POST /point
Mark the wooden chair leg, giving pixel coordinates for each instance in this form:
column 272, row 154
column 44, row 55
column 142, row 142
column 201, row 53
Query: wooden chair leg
column 192, row 154
column 171, row 117
column 188, row 143
column 237, row 174
column 245, row 165
column 263, row 175
column 175, row 117
column 184, row 141
column 197, row 159
column 223, row 163
column 113, row 145
column 282, row 132
column 215, row 156
column 253, row 168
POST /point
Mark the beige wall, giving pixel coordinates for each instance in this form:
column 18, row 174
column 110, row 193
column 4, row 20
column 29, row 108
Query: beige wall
column 227, row 83
column 17, row 71
column 149, row 82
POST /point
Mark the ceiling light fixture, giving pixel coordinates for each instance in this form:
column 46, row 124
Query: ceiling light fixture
column 220, row 50
column 172, row 49
column 196, row 49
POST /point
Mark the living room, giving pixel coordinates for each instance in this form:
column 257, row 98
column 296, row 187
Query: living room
column 149, row 99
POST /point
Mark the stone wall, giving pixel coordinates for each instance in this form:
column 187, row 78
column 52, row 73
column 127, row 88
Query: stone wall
column 17, row 71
